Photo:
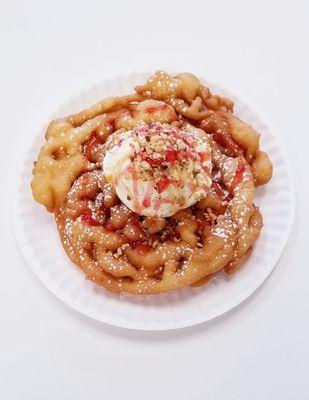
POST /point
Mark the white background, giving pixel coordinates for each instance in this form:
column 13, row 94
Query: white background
column 51, row 50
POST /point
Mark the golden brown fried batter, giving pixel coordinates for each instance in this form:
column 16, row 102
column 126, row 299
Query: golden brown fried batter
column 123, row 251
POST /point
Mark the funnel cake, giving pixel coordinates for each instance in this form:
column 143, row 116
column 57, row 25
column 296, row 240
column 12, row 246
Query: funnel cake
column 154, row 191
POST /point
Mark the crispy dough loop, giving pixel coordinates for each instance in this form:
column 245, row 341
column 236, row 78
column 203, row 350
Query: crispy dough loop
column 100, row 108
column 183, row 92
column 53, row 176
column 262, row 168
column 125, row 252
column 243, row 134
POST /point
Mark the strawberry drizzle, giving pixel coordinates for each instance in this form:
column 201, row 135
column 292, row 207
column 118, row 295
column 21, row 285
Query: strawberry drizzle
column 238, row 175
column 217, row 188
column 147, row 198
column 159, row 202
column 87, row 218
column 134, row 220
column 91, row 143
column 142, row 248
column 150, row 160
column 171, row 156
column 164, row 183
column 153, row 109
column 204, row 156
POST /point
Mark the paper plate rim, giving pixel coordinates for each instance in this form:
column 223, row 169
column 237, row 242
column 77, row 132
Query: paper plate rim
column 139, row 325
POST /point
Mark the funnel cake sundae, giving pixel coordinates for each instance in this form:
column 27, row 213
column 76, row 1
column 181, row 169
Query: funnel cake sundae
column 154, row 191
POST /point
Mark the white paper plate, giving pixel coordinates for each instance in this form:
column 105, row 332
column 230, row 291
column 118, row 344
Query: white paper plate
column 38, row 239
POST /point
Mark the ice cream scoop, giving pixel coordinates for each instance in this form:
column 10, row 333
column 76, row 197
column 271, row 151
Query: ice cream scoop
column 159, row 169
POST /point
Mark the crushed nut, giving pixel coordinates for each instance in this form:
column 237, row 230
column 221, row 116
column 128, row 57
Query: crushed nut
column 156, row 156
column 155, row 244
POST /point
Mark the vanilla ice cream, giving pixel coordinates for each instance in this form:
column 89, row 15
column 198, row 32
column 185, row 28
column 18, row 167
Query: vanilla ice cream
column 159, row 169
